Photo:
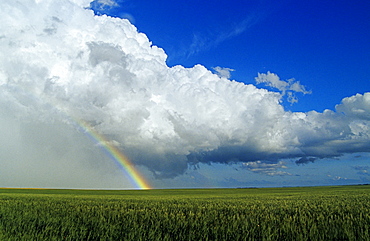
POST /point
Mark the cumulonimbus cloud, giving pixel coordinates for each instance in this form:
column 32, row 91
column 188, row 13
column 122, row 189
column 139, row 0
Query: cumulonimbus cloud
column 102, row 70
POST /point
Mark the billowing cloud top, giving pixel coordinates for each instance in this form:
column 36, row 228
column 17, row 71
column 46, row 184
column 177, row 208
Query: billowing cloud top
column 103, row 71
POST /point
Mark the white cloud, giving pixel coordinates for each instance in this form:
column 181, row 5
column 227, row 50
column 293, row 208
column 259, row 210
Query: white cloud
column 357, row 106
column 60, row 62
column 287, row 87
column 206, row 41
column 82, row 3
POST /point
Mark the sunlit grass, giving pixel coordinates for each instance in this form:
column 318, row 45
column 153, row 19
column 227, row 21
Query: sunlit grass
column 310, row 213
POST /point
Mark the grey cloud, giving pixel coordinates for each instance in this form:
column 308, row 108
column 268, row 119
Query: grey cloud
column 305, row 160
column 223, row 72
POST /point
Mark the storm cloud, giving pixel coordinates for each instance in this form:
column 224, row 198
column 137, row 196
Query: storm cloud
column 59, row 61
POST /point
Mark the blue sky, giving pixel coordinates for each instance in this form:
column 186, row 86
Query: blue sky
column 322, row 44
column 255, row 93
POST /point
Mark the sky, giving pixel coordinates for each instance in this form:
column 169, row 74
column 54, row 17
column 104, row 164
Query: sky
column 231, row 94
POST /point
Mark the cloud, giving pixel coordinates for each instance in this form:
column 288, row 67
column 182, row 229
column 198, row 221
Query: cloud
column 204, row 41
column 337, row 178
column 111, row 8
column 356, row 107
column 60, row 62
column 305, row 160
column 362, row 170
column 101, row 6
column 109, row 3
column 81, row 3
column 269, row 169
column 223, row 72
column 287, row 87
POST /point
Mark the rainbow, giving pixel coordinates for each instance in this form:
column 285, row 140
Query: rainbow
column 115, row 154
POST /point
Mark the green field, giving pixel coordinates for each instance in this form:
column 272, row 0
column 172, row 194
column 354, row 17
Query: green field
column 308, row 213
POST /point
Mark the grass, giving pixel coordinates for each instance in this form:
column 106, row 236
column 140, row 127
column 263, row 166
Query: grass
column 308, row 213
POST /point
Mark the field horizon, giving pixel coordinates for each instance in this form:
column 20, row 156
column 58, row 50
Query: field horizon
column 121, row 189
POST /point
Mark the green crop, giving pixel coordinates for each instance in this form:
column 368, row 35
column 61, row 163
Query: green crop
column 310, row 213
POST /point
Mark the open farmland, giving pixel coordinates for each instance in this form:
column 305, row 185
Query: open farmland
column 309, row 213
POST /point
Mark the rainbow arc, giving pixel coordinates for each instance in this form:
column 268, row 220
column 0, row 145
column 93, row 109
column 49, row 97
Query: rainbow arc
column 115, row 154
